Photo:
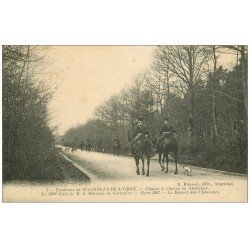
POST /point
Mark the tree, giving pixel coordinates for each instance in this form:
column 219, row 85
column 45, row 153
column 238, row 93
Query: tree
column 27, row 138
column 242, row 49
column 188, row 64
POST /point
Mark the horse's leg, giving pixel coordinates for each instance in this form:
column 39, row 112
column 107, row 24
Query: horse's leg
column 160, row 154
column 167, row 162
column 148, row 163
column 137, row 165
column 163, row 159
column 114, row 151
column 118, row 152
column 176, row 160
column 142, row 159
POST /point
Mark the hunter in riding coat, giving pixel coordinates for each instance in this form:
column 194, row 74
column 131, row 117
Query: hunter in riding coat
column 139, row 131
column 166, row 128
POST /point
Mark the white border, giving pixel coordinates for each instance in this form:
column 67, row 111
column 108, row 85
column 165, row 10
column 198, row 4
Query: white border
column 124, row 226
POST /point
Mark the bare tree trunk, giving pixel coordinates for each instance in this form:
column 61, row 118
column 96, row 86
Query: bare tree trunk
column 191, row 96
column 214, row 106
column 191, row 114
column 167, row 93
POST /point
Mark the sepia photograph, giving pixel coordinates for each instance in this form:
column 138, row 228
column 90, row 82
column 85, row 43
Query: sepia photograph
column 163, row 123
column 124, row 125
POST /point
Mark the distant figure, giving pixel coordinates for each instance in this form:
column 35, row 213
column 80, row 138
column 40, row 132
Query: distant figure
column 88, row 145
column 103, row 150
column 116, row 145
column 81, row 145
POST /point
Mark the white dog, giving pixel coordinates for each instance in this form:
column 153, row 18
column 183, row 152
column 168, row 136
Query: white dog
column 187, row 170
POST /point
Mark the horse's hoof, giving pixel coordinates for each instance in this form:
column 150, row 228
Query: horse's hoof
column 162, row 169
column 175, row 173
column 147, row 174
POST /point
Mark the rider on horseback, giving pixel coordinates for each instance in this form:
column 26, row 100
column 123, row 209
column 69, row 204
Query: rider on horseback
column 139, row 131
column 166, row 128
column 117, row 140
column 88, row 141
column 81, row 144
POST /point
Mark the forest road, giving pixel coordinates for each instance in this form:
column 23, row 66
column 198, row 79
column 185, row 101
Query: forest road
column 104, row 167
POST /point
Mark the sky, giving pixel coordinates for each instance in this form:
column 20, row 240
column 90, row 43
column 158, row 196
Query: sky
column 85, row 76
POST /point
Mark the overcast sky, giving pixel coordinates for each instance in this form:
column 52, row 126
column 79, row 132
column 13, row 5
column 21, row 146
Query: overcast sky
column 86, row 76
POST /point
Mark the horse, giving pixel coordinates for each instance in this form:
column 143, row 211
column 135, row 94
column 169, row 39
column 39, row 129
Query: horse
column 82, row 146
column 88, row 147
column 170, row 144
column 116, row 147
column 142, row 147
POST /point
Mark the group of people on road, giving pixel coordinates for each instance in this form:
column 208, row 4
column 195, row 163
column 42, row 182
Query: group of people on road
column 140, row 131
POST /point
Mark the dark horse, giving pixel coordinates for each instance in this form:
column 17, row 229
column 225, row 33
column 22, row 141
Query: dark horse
column 140, row 148
column 88, row 147
column 116, row 147
column 82, row 145
column 169, row 145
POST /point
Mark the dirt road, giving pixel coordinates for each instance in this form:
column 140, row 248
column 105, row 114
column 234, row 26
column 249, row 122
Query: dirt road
column 106, row 167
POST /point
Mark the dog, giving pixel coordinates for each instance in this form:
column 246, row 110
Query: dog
column 187, row 170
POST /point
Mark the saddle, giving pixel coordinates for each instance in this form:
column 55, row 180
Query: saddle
column 144, row 136
column 168, row 135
